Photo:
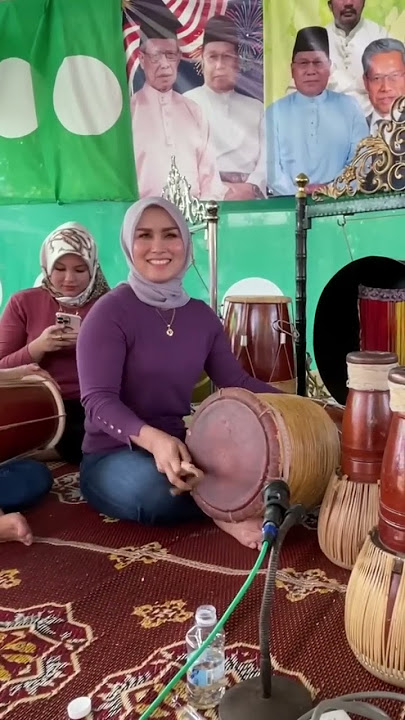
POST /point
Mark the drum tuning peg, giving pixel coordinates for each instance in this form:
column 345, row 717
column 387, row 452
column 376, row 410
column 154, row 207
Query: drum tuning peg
column 283, row 338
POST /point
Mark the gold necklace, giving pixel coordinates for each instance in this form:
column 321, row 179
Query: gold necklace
column 169, row 330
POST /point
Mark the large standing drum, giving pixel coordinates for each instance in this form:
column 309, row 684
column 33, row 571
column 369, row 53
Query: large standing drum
column 32, row 417
column 391, row 525
column 242, row 441
column 375, row 597
column 262, row 338
column 367, row 416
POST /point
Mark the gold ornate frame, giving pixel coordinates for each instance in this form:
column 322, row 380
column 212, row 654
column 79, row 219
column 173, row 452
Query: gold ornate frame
column 379, row 163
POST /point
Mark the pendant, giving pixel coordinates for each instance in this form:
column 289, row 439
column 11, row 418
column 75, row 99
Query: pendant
column 169, row 332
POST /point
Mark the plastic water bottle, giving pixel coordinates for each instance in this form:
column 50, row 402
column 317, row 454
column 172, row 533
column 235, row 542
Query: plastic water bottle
column 206, row 678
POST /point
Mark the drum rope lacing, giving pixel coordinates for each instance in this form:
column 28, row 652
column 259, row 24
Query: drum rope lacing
column 30, row 422
column 277, row 325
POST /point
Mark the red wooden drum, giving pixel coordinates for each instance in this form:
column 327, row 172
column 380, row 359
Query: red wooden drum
column 262, row 338
column 375, row 597
column 391, row 526
column 367, row 416
column 32, row 417
column 242, row 441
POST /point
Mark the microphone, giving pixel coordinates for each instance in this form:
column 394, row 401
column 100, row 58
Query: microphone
column 270, row 697
column 276, row 505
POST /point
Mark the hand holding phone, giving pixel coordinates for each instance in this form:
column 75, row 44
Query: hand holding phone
column 52, row 339
column 68, row 321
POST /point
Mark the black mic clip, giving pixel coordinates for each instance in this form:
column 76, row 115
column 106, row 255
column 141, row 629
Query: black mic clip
column 276, row 505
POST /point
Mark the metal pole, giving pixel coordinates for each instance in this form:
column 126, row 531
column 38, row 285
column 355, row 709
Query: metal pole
column 211, row 210
column 301, row 282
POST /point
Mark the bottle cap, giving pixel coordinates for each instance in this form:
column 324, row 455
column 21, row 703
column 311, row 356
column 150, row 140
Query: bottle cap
column 206, row 616
column 79, row 708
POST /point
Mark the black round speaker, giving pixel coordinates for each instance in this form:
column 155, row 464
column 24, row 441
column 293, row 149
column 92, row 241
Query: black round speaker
column 336, row 327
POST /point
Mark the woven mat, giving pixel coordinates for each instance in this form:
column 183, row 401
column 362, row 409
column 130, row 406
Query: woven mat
column 99, row 607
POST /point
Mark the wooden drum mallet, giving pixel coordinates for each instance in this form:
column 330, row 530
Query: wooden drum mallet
column 350, row 507
column 375, row 598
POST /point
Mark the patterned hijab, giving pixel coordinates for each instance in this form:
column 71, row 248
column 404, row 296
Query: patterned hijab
column 170, row 294
column 73, row 239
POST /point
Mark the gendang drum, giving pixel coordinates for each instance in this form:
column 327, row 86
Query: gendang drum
column 242, row 441
column 262, row 338
column 32, row 417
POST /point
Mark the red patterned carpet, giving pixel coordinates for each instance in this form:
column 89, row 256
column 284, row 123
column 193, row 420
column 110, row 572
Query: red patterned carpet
column 101, row 608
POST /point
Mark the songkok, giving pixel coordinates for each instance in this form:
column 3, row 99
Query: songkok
column 155, row 20
column 220, row 28
column 311, row 38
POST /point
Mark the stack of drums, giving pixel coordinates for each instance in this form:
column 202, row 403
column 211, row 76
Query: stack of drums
column 375, row 598
column 350, row 506
column 262, row 338
column 242, row 441
column 32, row 417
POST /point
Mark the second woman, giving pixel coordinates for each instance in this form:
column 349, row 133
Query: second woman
column 29, row 331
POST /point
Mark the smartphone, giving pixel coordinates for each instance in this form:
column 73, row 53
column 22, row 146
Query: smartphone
column 70, row 322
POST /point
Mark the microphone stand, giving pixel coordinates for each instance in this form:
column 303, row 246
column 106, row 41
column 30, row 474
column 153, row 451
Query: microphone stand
column 268, row 696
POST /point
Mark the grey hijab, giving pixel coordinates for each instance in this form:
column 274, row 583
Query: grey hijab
column 168, row 295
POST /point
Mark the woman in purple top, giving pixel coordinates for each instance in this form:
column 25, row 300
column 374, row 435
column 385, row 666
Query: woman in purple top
column 141, row 350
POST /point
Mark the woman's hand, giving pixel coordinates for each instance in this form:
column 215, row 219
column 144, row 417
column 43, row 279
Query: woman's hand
column 169, row 452
column 23, row 371
column 52, row 339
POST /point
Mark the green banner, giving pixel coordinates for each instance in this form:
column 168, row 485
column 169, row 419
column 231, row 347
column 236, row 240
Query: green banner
column 65, row 129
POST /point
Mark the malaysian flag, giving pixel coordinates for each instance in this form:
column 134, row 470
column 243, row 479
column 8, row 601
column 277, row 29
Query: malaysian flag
column 191, row 14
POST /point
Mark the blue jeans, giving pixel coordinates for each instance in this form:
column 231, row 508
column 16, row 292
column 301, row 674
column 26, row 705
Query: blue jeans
column 22, row 484
column 127, row 485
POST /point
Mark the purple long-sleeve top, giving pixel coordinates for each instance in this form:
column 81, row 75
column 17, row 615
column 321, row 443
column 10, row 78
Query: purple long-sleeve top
column 132, row 373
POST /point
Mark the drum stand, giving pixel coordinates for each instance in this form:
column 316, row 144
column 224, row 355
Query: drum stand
column 301, row 226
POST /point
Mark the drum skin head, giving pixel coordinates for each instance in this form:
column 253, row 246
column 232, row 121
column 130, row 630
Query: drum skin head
column 233, row 439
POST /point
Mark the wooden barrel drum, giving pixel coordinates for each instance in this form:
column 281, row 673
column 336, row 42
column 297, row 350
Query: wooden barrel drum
column 262, row 338
column 367, row 416
column 32, row 417
column 242, row 441
column 350, row 506
column 375, row 598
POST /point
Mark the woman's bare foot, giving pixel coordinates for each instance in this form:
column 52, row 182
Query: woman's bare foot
column 247, row 532
column 14, row 528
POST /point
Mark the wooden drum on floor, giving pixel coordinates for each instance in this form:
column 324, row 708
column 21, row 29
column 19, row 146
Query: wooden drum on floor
column 262, row 338
column 242, row 441
column 32, row 417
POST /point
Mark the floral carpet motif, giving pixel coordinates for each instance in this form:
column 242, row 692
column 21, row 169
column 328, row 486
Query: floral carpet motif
column 101, row 608
column 39, row 649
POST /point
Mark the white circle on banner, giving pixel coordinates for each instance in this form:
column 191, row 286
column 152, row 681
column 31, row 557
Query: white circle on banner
column 38, row 280
column 248, row 287
column 87, row 96
column 18, row 115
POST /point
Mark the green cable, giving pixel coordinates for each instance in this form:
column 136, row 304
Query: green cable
column 235, row 602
